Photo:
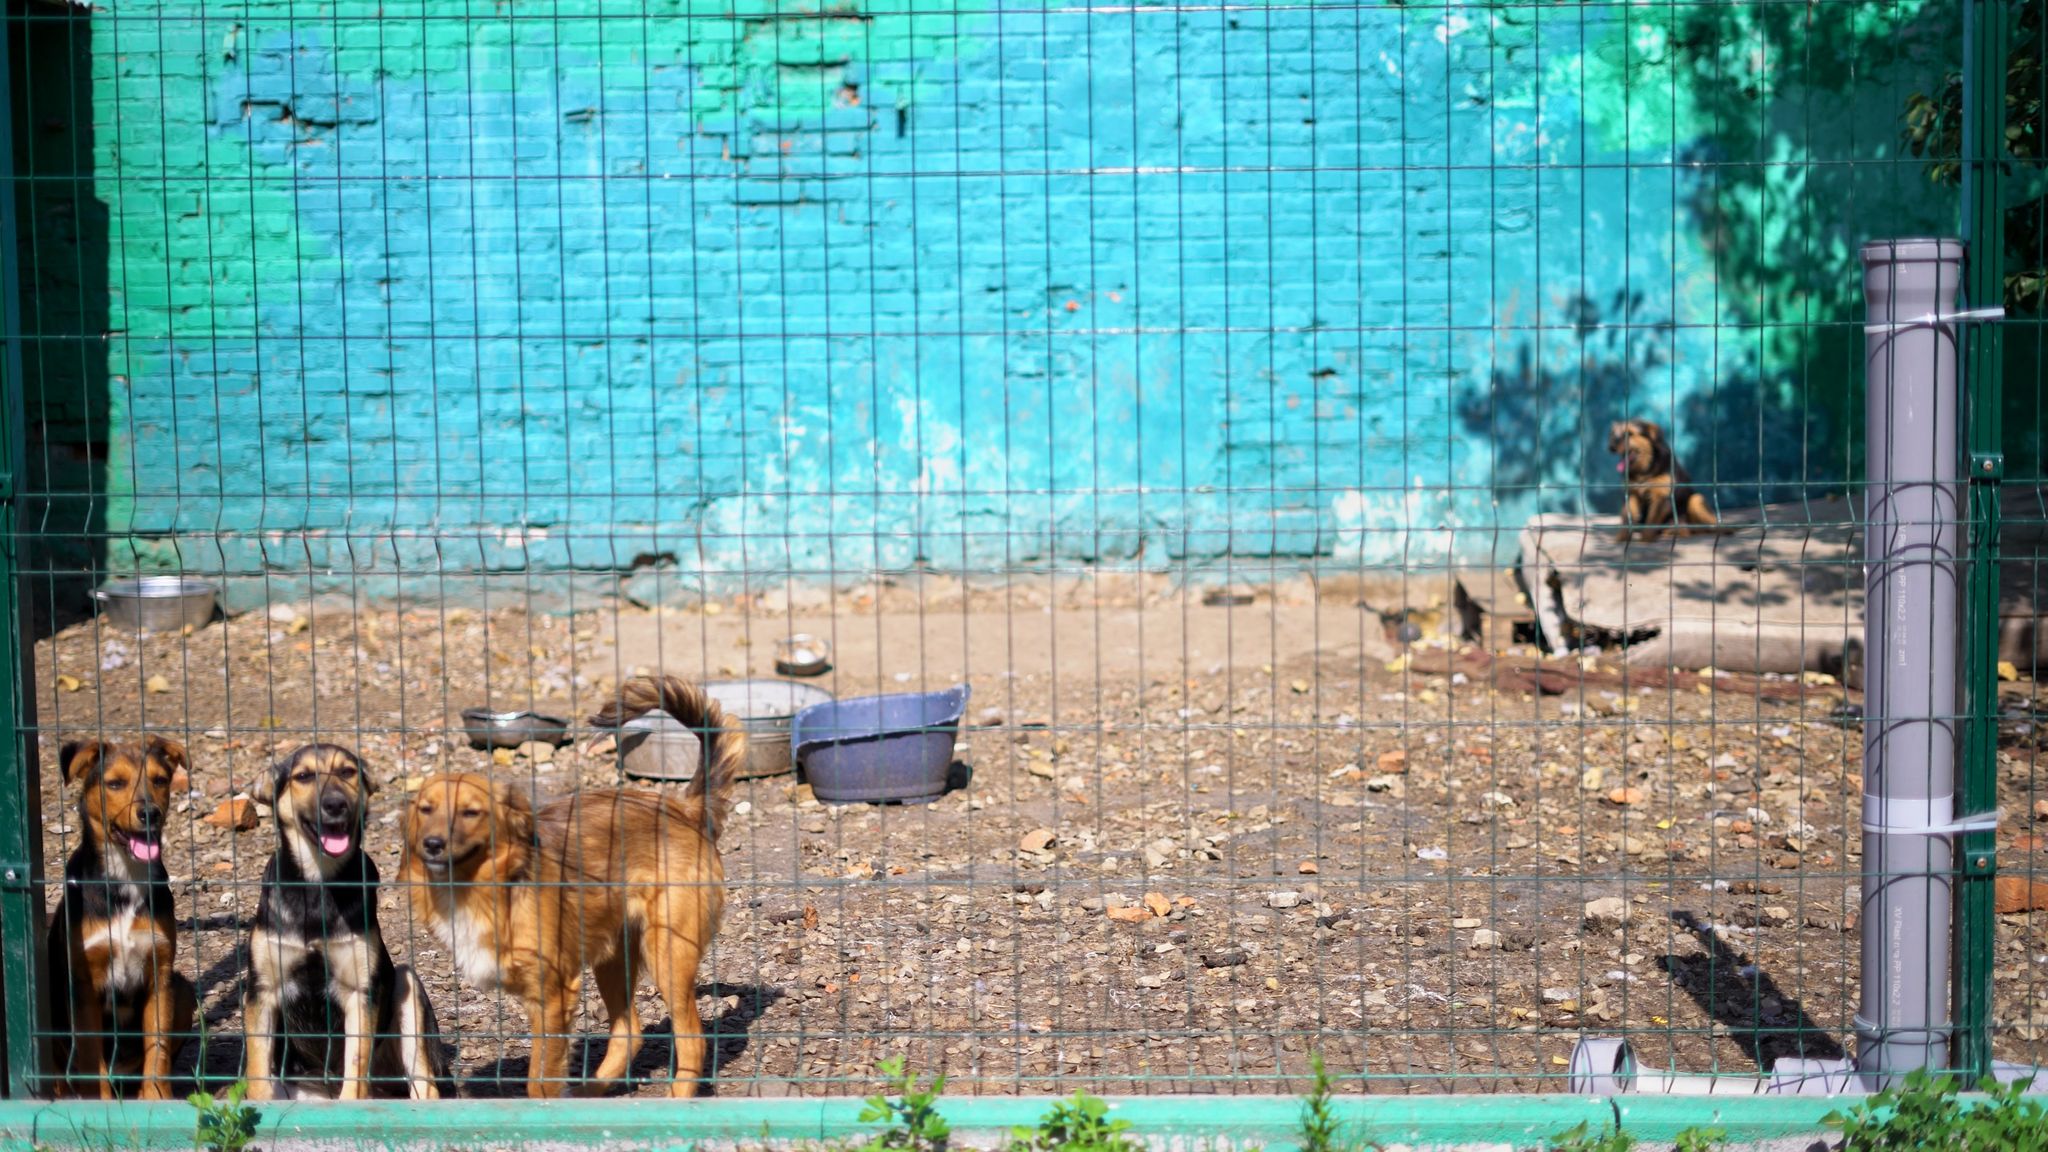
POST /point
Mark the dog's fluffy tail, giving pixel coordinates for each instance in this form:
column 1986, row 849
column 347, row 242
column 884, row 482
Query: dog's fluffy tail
column 708, row 795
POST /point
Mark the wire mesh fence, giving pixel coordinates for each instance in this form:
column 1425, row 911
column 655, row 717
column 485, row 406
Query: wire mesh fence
column 1227, row 415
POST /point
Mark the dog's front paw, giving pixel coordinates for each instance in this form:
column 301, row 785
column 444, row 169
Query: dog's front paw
column 155, row 1090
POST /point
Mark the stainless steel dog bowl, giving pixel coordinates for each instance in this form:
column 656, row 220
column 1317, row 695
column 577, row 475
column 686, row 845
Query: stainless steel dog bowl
column 766, row 708
column 491, row 729
column 157, row 603
column 803, row 655
column 657, row 746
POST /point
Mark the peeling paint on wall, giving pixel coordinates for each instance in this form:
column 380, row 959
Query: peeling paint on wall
column 418, row 287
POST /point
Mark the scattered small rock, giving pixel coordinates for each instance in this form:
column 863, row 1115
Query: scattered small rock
column 1283, row 900
column 237, row 814
column 2019, row 894
column 1224, row 958
column 1606, row 912
column 1037, row 840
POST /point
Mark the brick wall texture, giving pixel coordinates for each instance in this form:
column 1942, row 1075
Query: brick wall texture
column 416, row 287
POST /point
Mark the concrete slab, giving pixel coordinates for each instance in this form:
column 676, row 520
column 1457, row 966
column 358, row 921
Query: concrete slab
column 1776, row 589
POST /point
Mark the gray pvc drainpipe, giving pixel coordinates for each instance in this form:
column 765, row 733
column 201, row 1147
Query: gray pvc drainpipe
column 1911, row 625
column 1911, row 693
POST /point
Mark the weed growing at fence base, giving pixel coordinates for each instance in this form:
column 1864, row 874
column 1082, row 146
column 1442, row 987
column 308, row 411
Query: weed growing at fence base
column 1582, row 1139
column 1321, row 1131
column 1079, row 1124
column 225, row 1123
column 918, row 1126
column 1700, row 1140
column 1927, row 1112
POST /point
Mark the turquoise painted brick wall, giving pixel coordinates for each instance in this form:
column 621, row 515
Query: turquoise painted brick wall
column 422, row 287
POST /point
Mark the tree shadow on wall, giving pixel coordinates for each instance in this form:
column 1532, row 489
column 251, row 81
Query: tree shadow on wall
column 1544, row 419
column 61, row 238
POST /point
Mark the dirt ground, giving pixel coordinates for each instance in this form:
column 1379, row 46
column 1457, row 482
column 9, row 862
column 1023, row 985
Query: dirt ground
column 1200, row 842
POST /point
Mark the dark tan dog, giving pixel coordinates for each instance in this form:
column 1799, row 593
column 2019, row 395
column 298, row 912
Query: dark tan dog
column 117, row 1008
column 615, row 881
column 1659, row 491
column 325, row 1012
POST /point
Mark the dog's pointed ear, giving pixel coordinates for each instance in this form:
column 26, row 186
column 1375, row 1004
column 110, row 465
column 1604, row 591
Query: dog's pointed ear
column 1652, row 432
column 170, row 752
column 364, row 774
column 80, row 757
column 264, row 790
column 515, row 814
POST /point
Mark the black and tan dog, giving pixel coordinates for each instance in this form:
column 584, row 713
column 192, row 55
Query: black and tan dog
column 118, row 1008
column 325, row 1007
column 1659, row 491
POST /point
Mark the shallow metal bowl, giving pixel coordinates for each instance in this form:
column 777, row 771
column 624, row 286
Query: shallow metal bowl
column 657, row 746
column 766, row 709
column 803, row 655
column 487, row 728
column 157, row 603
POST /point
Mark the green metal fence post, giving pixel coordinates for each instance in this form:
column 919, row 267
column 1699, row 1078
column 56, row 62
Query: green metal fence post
column 21, row 901
column 1984, row 79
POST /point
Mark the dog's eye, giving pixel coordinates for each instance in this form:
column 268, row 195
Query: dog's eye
column 424, row 809
column 160, row 781
column 472, row 813
column 344, row 773
column 117, row 785
column 303, row 777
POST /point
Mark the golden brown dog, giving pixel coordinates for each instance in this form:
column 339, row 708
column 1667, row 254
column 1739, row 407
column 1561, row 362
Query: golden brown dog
column 1659, row 491
column 116, row 1005
column 615, row 881
column 324, row 1006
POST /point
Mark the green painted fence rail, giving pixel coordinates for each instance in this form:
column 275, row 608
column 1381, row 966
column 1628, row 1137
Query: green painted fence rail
column 1270, row 1122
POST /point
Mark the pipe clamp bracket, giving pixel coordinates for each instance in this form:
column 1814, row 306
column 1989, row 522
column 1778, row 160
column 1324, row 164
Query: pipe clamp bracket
column 1940, row 320
column 1982, row 822
column 1987, row 466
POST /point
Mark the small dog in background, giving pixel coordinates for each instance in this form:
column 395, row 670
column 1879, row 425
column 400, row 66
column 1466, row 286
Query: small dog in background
column 1659, row 490
column 117, row 1007
column 325, row 1007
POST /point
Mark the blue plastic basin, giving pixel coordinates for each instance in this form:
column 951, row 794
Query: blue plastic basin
column 880, row 749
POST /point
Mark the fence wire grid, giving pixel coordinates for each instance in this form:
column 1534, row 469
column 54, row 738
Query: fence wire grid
column 1224, row 397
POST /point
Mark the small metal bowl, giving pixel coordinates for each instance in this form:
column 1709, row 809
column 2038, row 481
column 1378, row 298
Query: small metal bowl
column 157, row 603
column 490, row 729
column 803, row 655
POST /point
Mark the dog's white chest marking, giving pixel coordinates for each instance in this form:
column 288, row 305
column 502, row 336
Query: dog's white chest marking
column 281, row 956
column 474, row 956
column 130, row 940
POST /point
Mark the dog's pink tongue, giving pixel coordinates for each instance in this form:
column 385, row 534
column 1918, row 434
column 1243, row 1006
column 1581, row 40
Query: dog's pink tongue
column 1621, row 465
column 333, row 844
column 145, row 849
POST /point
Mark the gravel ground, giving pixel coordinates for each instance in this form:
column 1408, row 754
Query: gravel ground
column 1184, row 863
